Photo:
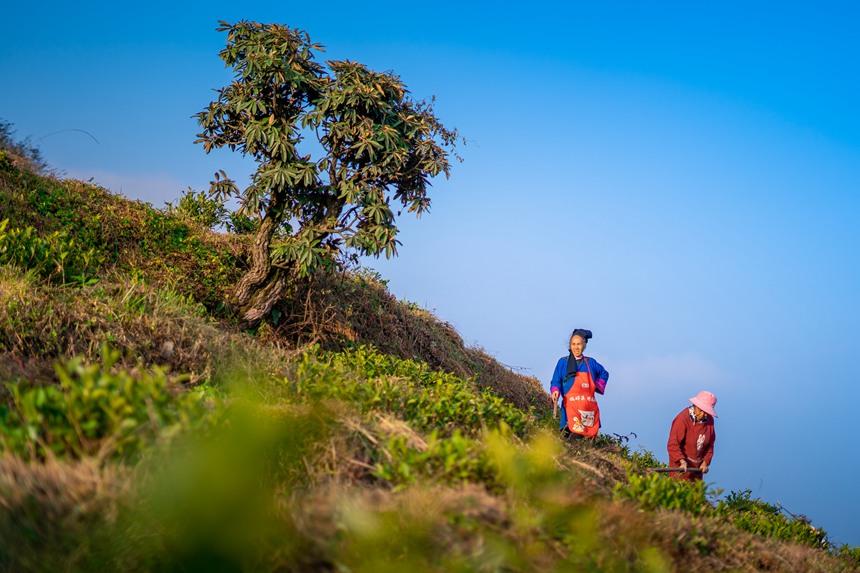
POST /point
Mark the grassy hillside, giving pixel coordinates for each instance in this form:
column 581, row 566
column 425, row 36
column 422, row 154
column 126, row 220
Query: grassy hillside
column 142, row 430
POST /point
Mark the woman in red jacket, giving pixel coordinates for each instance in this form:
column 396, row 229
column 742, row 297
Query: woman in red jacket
column 692, row 437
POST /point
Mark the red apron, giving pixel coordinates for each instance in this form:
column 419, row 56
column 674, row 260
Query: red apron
column 583, row 415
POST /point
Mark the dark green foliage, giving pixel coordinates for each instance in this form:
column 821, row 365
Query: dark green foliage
column 210, row 213
column 375, row 139
column 6, row 161
column 241, row 224
column 757, row 516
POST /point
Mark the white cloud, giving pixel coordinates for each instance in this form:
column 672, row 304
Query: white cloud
column 156, row 189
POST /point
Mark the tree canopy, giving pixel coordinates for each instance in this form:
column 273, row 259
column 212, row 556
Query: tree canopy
column 339, row 147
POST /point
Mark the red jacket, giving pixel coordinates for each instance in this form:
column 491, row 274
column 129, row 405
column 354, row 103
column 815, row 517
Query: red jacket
column 693, row 441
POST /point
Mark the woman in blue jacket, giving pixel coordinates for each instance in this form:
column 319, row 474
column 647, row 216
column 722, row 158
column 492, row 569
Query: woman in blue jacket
column 577, row 378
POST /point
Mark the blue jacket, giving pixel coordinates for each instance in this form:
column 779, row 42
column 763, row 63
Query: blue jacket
column 598, row 372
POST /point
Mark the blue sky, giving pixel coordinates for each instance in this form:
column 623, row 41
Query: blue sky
column 680, row 178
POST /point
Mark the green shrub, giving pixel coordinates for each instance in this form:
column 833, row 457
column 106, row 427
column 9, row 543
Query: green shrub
column 199, row 208
column 428, row 400
column 611, row 441
column 55, row 257
column 652, row 491
column 849, row 553
column 6, row 161
column 242, row 224
column 759, row 517
column 211, row 213
column 643, row 458
column 449, row 459
column 445, row 414
column 94, row 411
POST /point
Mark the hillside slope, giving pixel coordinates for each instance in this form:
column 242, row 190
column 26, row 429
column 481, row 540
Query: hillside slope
column 143, row 430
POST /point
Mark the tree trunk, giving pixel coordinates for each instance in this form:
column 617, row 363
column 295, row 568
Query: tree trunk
column 262, row 286
column 264, row 298
column 261, row 263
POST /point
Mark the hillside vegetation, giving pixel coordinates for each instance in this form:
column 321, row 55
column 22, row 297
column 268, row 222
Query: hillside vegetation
column 143, row 429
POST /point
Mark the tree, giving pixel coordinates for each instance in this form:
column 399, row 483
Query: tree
column 365, row 144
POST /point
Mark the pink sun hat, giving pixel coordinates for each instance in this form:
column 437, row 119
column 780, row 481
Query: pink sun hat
column 705, row 401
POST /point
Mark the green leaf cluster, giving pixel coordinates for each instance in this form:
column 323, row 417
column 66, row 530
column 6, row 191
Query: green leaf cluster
column 210, row 213
column 643, row 458
column 428, row 400
column 762, row 518
column 652, row 491
column 55, row 257
column 640, row 458
column 849, row 553
column 95, row 410
column 449, row 459
column 200, row 208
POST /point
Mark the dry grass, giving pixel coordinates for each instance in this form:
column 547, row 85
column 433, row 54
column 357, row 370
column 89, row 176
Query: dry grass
column 62, row 491
column 706, row 545
column 48, row 507
column 149, row 325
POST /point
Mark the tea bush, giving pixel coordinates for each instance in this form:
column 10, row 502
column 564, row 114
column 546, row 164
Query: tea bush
column 241, row 224
column 6, row 161
column 451, row 413
column 449, row 459
column 757, row 516
column 55, row 257
column 94, row 411
column 198, row 207
column 211, row 213
column 643, row 458
column 652, row 491
column 426, row 399
column 849, row 553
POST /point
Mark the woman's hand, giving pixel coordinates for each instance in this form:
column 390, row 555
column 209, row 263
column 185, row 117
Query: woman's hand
column 683, row 465
column 555, row 395
column 704, row 467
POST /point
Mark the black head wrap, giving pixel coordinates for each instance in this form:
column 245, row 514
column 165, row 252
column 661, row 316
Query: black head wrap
column 585, row 334
column 572, row 363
